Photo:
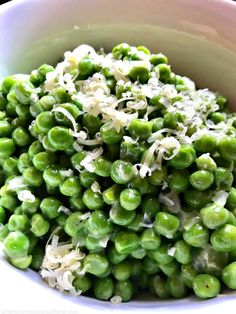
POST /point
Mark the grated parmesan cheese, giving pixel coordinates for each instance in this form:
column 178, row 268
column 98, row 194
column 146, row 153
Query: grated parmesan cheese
column 95, row 187
column 91, row 156
column 220, row 197
column 26, row 196
column 60, row 264
column 65, row 210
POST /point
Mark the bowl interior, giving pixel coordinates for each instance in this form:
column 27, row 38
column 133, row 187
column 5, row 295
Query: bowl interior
column 198, row 37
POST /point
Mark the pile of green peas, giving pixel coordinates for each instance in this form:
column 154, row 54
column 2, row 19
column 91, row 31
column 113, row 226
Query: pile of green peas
column 147, row 246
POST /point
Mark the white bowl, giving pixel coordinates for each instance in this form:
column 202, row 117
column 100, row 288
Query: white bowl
column 198, row 37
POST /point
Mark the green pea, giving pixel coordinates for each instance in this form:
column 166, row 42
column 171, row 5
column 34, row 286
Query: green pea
column 49, row 207
column 76, row 203
column 10, row 166
column 39, row 225
column 4, row 231
column 231, row 200
column 95, row 244
column 60, row 138
column 73, row 224
column 111, row 195
column 188, row 273
column 33, row 177
column 17, row 122
column 159, row 287
column 223, row 178
column 150, row 206
column 158, row 58
column 82, row 283
column 98, row 224
column 24, row 113
column 185, row 157
column 2, row 215
column 18, row 222
column 170, row 269
column 130, row 152
column 157, row 123
column 5, row 129
column 229, row 275
column 122, row 172
column 122, row 271
column 21, row 262
column 120, row 216
column 60, row 94
column 87, row 178
column 223, row 239
column 124, row 289
column 139, row 73
column 130, row 199
column 77, row 229
column 150, row 266
column 139, row 253
column 196, row 236
column 3, row 101
column 179, row 180
column 164, row 72
column 91, row 123
column 71, row 186
column 161, row 255
column 61, row 220
column 172, row 120
column 77, row 158
column 137, row 223
column 140, row 184
column 114, row 256
column 136, row 267
column 93, row 200
column 149, row 240
column 43, row 160
column 37, row 258
column 61, row 118
column 9, row 202
column 206, row 286
column 213, row 216
column 43, row 70
column 52, row 177
column 158, row 177
column 197, row 199
column 7, row 147
column 86, row 67
column 126, row 242
column 182, row 252
column 140, row 129
column 110, row 135
column 206, row 143
column 7, row 83
column 227, row 148
column 102, row 167
column 16, row 244
column 176, row 287
column 201, row 179
column 95, row 264
column 21, row 137
column 121, row 51
column 44, row 122
column 46, row 103
column 166, row 224
column 205, row 162
column 23, row 92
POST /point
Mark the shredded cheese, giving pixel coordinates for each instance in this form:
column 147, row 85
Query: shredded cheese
column 60, row 264
column 26, row 196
